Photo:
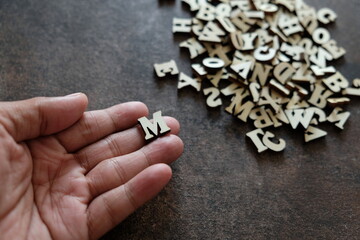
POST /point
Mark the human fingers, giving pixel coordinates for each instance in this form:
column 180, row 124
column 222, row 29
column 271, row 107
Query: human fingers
column 117, row 144
column 40, row 116
column 95, row 125
column 109, row 209
column 117, row 171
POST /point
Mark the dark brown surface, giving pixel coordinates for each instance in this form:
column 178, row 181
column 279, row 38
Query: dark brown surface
column 221, row 188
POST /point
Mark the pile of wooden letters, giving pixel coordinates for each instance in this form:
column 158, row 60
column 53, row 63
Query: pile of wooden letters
column 271, row 58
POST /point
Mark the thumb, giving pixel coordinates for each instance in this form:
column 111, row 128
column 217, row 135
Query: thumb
column 41, row 116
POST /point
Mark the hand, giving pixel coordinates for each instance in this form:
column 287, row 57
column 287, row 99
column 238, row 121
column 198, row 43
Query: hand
column 66, row 174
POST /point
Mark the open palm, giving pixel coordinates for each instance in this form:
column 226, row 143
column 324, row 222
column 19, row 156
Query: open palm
column 66, row 174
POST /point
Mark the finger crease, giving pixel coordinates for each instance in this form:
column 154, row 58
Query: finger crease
column 119, row 171
column 88, row 125
column 147, row 158
column 110, row 211
column 113, row 121
column 130, row 197
column 43, row 123
column 114, row 148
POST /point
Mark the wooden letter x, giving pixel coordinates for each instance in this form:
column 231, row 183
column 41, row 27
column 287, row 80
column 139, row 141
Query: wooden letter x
column 151, row 129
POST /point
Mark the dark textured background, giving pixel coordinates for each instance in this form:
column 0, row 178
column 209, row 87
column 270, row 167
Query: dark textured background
column 221, row 189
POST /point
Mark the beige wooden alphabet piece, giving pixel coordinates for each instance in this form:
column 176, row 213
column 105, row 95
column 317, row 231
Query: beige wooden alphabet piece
column 290, row 25
column 261, row 73
column 356, row 82
column 310, row 24
column 339, row 117
column 320, row 113
column 242, row 69
column 185, row 81
column 322, row 71
column 334, row 50
column 213, row 100
column 195, row 47
column 278, row 33
column 313, row 133
column 299, row 116
column 280, row 57
column 337, row 102
column 242, row 5
column 278, row 98
column 336, row 82
column 206, row 12
column 236, row 40
column 319, row 96
column 242, row 22
column 244, row 110
column 276, row 43
column 289, row 4
column 290, row 85
column 263, row 38
column 162, row 69
column 276, row 147
column 226, row 24
column 296, row 103
column 254, row 136
column 248, row 41
column 255, row 14
column 217, row 50
column 197, row 27
column 279, row 87
column 321, row 57
column 223, row 10
column 274, row 119
column 326, row 15
column 238, row 108
column 295, row 52
column 213, row 64
column 266, row 99
column 314, row 121
column 351, row 91
column 321, row 36
column 305, row 11
column 236, row 101
column 232, row 89
column 283, row 72
column 240, row 57
column 264, row 54
column 265, row 143
column 216, row 78
column 151, row 129
column 254, row 91
column 194, row 4
column 211, row 33
column 303, row 75
column 269, row 8
column 199, row 70
column 181, row 25
column 308, row 45
column 302, row 91
column 260, row 117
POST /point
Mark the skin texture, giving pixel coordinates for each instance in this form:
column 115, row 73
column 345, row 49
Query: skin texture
column 70, row 174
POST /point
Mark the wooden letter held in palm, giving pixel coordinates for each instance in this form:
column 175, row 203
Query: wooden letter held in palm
column 154, row 129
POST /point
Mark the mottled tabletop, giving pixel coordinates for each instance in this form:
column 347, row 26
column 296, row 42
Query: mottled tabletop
column 221, row 187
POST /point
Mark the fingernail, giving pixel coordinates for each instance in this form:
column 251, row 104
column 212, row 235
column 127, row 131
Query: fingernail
column 73, row 95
